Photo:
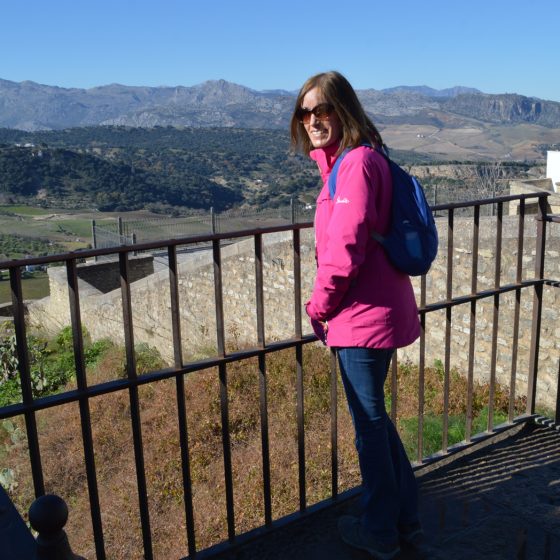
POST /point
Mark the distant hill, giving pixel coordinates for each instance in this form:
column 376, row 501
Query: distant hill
column 431, row 92
column 113, row 179
column 163, row 169
column 31, row 106
column 173, row 170
column 506, row 108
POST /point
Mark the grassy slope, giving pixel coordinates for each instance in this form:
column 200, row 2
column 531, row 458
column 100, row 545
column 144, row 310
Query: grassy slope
column 63, row 455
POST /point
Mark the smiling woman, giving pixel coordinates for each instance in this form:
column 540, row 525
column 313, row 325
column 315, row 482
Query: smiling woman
column 361, row 306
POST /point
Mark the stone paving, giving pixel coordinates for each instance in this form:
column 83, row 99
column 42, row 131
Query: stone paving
column 499, row 501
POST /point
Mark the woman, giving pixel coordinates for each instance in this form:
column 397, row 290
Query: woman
column 365, row 306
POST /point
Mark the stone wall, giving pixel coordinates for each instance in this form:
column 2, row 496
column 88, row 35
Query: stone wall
column 104, row 275
column 102, row 312
column 532, row 186
column 461, row 314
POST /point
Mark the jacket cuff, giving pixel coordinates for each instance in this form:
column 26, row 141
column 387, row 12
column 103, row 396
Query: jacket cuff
column 312, row 312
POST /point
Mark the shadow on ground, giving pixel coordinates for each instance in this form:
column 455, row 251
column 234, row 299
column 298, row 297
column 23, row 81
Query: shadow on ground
column 500, row 501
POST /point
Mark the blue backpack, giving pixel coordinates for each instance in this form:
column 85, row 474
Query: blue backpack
column 412, row 240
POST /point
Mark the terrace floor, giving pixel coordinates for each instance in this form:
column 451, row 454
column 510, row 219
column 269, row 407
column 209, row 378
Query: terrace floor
column 498, row 500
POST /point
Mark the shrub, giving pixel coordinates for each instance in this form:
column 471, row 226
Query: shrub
column 51, row 362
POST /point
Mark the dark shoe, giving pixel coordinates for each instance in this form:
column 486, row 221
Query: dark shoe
column 412, row 538
column 411, row 534
column 355, row 535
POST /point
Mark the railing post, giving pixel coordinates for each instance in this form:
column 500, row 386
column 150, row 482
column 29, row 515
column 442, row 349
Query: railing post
column 213, row 224
column 48, row 515
column 537, row 306
column 133, row 236
column 557, row 412
column 94, row 237
column 120, row 229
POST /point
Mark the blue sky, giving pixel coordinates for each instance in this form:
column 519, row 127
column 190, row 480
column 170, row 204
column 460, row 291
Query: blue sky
column 494, row 45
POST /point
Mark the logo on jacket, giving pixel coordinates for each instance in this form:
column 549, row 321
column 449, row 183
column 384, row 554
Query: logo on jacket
column 342, row 200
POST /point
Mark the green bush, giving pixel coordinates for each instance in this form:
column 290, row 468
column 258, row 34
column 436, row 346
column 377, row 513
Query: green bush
column 51, row 362
column 432, row 430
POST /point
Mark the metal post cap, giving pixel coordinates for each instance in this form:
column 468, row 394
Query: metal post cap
column 48, row 514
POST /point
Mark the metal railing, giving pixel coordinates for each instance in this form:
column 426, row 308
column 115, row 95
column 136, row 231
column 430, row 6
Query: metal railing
column 83, row 393
column 142, row 230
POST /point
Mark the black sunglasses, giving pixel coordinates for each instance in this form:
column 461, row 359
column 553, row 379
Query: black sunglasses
column 322, row 112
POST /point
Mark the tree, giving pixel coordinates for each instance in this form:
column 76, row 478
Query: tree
column 488, row 177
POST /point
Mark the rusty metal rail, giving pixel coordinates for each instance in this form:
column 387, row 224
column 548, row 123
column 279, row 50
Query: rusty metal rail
column 84, row 393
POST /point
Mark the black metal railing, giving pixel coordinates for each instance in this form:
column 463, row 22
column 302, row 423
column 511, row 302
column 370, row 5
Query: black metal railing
column 84, row 393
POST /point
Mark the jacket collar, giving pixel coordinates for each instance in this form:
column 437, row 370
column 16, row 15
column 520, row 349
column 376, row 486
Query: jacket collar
column 325, row 158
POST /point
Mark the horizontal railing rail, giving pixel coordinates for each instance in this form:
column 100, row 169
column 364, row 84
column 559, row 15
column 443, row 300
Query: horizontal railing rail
column 260, row 350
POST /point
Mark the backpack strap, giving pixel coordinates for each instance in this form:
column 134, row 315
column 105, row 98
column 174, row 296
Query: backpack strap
column 334, row 173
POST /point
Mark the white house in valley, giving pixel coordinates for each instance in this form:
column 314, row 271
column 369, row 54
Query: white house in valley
column 553, row 169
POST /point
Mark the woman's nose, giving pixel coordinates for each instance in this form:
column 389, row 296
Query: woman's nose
column 313, row 120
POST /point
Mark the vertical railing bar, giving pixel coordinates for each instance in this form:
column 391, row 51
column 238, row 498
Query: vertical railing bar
column 537, row 306
column 259, row 289
column 25, row 381
column 394, row 388
column 472, row 325
column 219, row 298
column 517, row 310
column 421, row 370
column 297, row 281
column 447, row 366
column 521, row 241
column 264, row 441
column 181, row 399
column 85, row 416
column 259, row 283
column 495, row 316
column 334, row 425
column 135, row 406
column 557, row 412
column 300, row 428
column 175, row 313
column 299, row 371
column 228, row 475
column 222, row 371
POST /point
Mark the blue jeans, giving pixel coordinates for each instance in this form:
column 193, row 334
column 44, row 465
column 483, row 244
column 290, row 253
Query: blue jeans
column 389, row 494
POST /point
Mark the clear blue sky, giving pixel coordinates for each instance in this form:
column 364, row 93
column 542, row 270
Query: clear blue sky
column 496, row 46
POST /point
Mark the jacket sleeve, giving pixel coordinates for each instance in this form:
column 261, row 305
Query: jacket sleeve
column 347, row 234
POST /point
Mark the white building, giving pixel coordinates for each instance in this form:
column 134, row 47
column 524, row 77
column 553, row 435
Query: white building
column 553, row 169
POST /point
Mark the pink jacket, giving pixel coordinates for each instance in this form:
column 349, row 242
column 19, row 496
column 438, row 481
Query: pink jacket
column 366, row 301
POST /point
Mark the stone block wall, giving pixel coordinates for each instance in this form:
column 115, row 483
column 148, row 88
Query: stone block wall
column 105, row 275
column 487, row 310
column 102, row 312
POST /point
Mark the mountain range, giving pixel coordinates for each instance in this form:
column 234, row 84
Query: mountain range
column 32, row 106
column 455, row 123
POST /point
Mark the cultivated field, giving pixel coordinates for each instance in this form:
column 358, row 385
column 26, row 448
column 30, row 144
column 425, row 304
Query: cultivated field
column 69, row 228
column 472, row 142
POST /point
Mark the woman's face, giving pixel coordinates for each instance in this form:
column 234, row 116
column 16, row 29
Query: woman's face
column 326, row 131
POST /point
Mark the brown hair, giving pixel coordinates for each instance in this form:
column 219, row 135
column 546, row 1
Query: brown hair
column 357, row 127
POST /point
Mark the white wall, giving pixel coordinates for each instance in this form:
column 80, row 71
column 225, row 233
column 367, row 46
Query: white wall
column 553, row 169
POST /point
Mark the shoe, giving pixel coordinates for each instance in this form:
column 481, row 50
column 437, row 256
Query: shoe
column 411, row 534
column 413, row 539
column 355, row 535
